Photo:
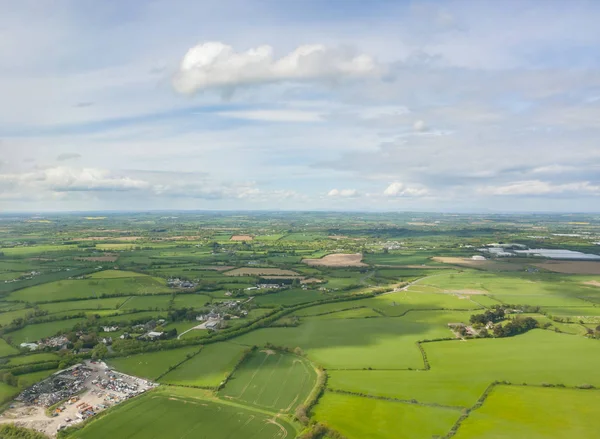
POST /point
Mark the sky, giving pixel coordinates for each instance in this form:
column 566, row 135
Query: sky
column 473, row 105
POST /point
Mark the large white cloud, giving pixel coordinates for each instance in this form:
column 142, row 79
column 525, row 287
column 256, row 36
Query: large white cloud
column 397, row 189
column 214, row 64
column 65, row 179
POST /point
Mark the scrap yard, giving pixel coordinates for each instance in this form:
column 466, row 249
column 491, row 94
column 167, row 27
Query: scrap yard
column 71, row 396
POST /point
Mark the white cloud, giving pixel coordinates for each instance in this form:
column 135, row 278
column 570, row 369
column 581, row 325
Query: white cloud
column 275, row 115
column 345, row 193
column 214, row 64
column 537, row 187
column 553, row 169
column 64, row 179
column 397, row 189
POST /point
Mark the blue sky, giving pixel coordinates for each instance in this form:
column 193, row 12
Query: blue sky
column 345, row 105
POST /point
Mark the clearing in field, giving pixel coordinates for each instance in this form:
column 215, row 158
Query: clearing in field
column 183, row 413
column 241, row 238
column 356, row 417
column 272, row 380
column 209, row 368
column 337, row 260
column 251, row 271
column 534, row 413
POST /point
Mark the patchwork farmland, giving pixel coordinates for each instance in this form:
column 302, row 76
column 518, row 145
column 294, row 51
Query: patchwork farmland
column 400, row 333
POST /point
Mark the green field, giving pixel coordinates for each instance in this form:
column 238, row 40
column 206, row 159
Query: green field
column 6, row 349
column 289, row 297
column 385, row 342
column 32, row 333
column 461, row 371
column 153, row 364
column 34, row 358
column 92, row 304
column 91, row 288
column 534, row 413
column 209, row 368
column 7, row 392
column 184, row 413
column 393, row 367
column 161, row 302
column 191, row 300
column 272, row 380
column 357, row 418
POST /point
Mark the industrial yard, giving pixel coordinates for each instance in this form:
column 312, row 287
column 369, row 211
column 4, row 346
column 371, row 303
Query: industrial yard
column 71, row 396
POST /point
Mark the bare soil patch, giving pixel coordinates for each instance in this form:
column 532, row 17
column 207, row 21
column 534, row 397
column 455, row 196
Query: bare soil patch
column 241, row 238
column 337, row 260
column 107, row 257
column 571, row 267
column 593, row 283
column 268, row 351
column 311, row 280
column 256, row 271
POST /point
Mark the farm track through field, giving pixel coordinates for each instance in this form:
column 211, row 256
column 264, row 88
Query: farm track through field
column 126, row 300
column 270, row 376
column 283, row 385
column 251, row 379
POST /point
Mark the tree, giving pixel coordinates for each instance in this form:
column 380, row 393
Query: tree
column 99, row 351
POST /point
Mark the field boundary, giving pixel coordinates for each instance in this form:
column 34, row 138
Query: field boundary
column 487, row 392
column 398, row 400
column 172, row 368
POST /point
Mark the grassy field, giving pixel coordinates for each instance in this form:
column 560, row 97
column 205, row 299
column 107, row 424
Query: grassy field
column 32, row 333
column 92, row 288
column 177, row 413
column 191, row 300
column 92, row 304
column 357, row 418
column 289, row 297
column 6, row 349
column 208, row 368
column 7, row 392
column 272, row 380
column 534, row 413
column 35, row 358
column 153, row 364
column 161, row 302
column 397, row 304
column 386, row 342
column 460, row 371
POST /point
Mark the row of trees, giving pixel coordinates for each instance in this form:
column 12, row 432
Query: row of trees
column 518, row 325
column 493, row 315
